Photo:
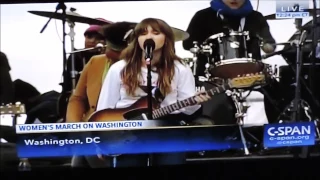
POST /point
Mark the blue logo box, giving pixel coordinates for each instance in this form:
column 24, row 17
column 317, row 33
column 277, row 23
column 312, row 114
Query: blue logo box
column 292, row 9
column 289, row 134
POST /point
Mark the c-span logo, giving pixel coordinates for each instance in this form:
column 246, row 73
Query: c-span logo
column 292, row 9
column 290, row 134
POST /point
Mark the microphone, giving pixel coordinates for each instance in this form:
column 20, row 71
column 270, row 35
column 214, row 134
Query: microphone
column 265, row 56
column 98, row 46
column 149, row 46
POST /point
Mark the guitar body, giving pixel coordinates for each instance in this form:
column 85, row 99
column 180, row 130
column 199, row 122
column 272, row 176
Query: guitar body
column 136, row 109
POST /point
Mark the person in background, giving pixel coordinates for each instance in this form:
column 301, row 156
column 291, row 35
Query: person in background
column 50, row 107
column 6, row 84
column 83, row 101
column 92, row 39
column 126, row 80
column 7, row 134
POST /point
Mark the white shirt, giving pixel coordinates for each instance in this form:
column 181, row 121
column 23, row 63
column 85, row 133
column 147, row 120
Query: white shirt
column 113, row 94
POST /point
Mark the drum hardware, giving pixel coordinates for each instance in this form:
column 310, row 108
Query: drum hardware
column 205, row 49
column 195, row 50
column 63, row 15
column 241, row 109
column 72, row 34
column 274, row 72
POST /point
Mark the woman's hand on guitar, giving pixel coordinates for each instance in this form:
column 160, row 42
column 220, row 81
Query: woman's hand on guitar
column 201, row 97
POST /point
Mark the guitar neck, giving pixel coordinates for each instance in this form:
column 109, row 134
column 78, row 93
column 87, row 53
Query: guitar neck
column 187, row 102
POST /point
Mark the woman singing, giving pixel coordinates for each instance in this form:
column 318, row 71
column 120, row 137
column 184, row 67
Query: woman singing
column 126, row 80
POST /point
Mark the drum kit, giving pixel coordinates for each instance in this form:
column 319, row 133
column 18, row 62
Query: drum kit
column 226, row 57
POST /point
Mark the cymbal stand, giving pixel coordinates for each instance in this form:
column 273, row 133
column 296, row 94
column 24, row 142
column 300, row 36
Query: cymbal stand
column 61, row 6
column 64, row 19
column 195, row 50
column 236, row 95
column 73, row 71
column 205, row 49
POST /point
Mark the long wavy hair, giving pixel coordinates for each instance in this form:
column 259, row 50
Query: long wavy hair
column 133, row 54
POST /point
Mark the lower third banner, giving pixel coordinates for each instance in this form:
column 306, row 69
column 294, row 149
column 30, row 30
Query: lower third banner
column 157, row 140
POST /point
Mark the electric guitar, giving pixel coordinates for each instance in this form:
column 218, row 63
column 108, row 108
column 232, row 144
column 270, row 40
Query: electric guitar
column 9, row 113
column 139, row 108
column 13, row 109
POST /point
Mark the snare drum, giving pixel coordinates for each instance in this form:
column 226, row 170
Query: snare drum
column 231, row 56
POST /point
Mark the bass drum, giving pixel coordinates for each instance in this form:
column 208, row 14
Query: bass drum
column 220, row 109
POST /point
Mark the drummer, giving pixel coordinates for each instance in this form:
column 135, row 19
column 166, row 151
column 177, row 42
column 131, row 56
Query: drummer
column 228, row 14
column 236, row 15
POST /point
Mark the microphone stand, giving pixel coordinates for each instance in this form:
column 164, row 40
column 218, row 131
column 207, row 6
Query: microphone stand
column 149, row 91
column 149, row 88
column 297, row 102
column 297, row 99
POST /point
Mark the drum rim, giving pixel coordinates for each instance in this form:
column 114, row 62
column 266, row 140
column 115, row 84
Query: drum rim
column 233, row 33
column 236, row 61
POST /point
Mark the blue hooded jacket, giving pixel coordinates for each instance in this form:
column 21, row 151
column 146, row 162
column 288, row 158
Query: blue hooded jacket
column 222, row 8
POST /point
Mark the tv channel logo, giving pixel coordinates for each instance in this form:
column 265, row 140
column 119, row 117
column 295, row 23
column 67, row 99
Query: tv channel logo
column 289, row 134
column 292, row 9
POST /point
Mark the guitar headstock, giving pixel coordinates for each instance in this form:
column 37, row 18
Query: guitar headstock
column 247, row 80
column 15, row 109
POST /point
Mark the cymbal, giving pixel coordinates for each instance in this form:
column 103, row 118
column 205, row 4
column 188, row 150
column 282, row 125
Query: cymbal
column 71, row 16
column 273, row 16
column 179, row 34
